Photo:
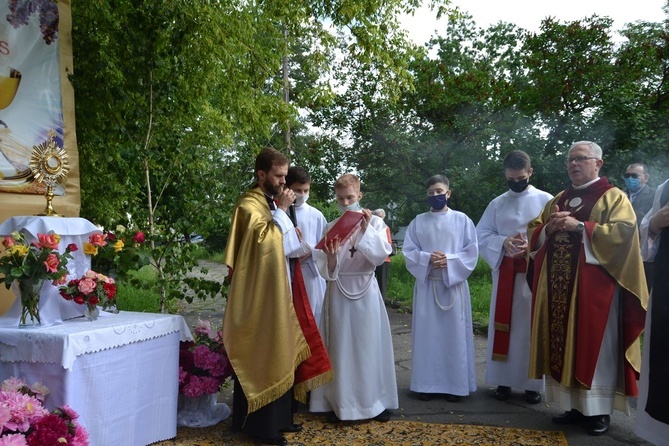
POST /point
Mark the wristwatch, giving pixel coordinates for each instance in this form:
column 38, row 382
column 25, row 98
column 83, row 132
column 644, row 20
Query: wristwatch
column 580, row 226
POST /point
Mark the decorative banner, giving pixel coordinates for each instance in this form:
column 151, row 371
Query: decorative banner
column 36, row 98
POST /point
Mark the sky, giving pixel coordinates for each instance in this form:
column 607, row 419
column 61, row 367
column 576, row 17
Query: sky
column 529, row 13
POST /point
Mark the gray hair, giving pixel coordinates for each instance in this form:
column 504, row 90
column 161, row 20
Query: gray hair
column 379, row 213
column 594, row 148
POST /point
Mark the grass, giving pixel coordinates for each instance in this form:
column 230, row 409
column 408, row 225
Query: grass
column 142, row 297
column 401, row 283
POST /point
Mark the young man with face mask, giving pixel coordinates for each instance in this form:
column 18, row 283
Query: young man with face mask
column 441, row 252
column 641, row 195
column 354, row 322
column 502, row 237
column 311, row 223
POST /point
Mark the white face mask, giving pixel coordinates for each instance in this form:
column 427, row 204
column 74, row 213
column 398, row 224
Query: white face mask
column 351, row 207
column 301, row 199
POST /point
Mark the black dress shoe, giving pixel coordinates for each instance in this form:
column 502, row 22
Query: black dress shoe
column 332, row 417
column 280, row 441
column 502, row 393
column 570, row 417
column 532, row 397
column 452, row 398
column 598, row 424
column 383, row 416
column 425, row 396
column 295, row 427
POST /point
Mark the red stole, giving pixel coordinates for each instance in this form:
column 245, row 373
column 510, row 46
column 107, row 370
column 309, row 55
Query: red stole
column 316, row 370
column 503, row 303
column 566, row 269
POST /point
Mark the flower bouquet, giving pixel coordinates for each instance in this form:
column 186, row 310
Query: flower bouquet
column 92, row 289
column 31, row 265
column 204, row 367
column 115, row 253
column 25, row 422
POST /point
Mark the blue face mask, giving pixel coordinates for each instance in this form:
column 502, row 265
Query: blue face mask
column 632, row 184
column 351, row 207
column 437, row 202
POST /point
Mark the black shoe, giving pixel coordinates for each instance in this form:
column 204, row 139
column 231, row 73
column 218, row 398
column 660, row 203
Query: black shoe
column 383, row 416
column 598, row 424
column 570, row 417
column 332, row 417
column 279, row 441
column 502, row 393
column 295, row 427
column 452, row 398
column 532, row 397
column 425, row 396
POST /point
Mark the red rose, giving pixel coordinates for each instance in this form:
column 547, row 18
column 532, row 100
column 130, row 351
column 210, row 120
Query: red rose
column 94, row 300
column 111, row 237
column 138, row 238
column 72, row 247
column 109, row 289
column 64, row 295
column 79, row 299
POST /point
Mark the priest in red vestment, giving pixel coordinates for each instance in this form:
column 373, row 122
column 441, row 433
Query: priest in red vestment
column 589, row 295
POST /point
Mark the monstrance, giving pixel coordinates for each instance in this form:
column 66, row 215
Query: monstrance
column 49, row 165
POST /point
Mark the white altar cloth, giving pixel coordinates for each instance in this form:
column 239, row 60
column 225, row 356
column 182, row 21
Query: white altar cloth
column 53, row 308
column 120, row 373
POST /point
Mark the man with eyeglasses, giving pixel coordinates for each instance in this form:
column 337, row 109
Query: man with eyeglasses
column 589, row 295
column 641, row 195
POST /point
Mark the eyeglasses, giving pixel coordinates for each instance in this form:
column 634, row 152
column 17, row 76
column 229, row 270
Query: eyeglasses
column 632, row 175
column 579, row 159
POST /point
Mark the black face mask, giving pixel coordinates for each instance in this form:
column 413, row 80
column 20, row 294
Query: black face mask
column 518, row 186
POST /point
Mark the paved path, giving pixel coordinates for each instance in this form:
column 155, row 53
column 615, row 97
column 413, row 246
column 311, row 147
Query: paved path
column 480, row 408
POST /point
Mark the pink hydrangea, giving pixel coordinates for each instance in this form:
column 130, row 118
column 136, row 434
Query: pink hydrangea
column 13, row 384
column 200, row 385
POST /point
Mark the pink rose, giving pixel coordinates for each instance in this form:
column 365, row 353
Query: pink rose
column 52, row 262
column 97, row 239
column 138, row 238
column 8, row 242
column 48, row 241
column 86, row 285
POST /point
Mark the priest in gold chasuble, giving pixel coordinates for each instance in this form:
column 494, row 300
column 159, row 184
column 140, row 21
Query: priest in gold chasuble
column 261, row 330
column 589, row 295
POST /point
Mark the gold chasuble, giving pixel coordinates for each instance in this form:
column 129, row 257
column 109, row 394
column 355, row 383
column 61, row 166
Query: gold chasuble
column 571, row 299
column 261, row 332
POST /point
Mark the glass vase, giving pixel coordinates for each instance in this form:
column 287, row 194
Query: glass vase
column 92, row 312
column 30, row 290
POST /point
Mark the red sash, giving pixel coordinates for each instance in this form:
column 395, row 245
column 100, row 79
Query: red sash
column 316, row 370
column 505, row 285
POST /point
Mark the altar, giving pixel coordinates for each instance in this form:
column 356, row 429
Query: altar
column 120, row 372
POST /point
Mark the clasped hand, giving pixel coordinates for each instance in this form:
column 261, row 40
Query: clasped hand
column 438, row 260
column 515, row 246
column 561, row 221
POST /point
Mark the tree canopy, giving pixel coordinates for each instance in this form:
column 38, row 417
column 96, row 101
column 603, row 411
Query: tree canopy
column 175, row 98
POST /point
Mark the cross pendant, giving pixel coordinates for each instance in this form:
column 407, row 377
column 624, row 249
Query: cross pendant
column 352, row 251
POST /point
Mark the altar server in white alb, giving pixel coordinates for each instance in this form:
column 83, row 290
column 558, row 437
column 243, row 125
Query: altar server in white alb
column 354, row 323
column 652, row 414
column 311, row 224
column 441, row 252
column 502, row 236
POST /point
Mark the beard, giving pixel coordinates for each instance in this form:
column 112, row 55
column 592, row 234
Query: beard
column 270, row 188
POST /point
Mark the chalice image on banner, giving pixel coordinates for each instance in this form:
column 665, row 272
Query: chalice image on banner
column 11, row 170
column 50, row 166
